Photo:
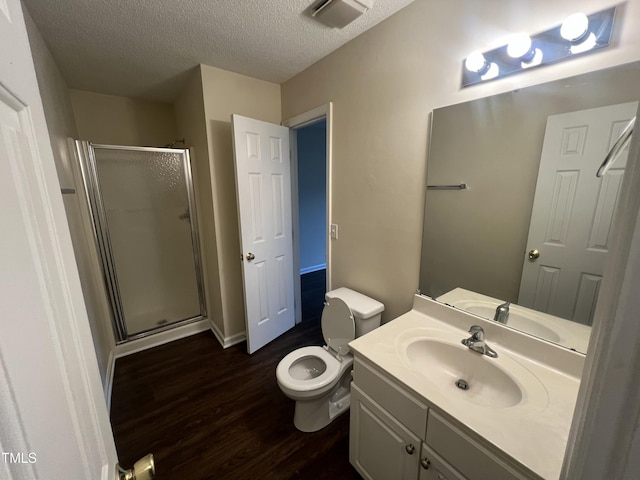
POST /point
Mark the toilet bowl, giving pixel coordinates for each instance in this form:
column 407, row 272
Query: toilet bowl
column 319, row 378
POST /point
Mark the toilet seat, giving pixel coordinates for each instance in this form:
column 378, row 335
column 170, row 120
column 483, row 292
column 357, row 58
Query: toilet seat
column 325, row 379
column 338, row 329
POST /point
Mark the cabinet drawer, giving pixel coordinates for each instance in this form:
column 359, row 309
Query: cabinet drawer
column 470, row 458
column 401, row 404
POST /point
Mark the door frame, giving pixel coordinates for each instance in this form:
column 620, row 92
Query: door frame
column 309, row 117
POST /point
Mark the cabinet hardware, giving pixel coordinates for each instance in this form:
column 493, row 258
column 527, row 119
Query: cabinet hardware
column 425, row 462
column 410, row 449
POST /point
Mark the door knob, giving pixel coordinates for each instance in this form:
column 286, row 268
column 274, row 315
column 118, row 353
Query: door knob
column 533, row 254
column 250, row 256
column 143, row 469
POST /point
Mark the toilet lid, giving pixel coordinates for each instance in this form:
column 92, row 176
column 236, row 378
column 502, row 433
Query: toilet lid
column 338, row 327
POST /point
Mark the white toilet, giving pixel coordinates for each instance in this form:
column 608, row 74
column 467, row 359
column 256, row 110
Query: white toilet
column 319, row 378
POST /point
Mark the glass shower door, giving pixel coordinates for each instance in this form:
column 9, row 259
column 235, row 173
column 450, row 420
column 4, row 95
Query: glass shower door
column 144, row 214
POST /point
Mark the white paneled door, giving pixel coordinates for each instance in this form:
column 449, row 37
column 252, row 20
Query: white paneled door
column 54, row 422
column 572, row 212
column 263, row 189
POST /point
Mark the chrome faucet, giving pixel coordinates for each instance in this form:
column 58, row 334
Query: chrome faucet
column 476, row 342
column 502, row 313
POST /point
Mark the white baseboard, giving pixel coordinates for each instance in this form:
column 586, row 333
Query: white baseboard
column 161, row 338
column 108, row 380
column 226, row 342
column 313, row 268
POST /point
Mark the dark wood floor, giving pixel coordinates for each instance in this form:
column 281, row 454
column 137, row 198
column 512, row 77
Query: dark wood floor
column 312, row 290
column 209, row 413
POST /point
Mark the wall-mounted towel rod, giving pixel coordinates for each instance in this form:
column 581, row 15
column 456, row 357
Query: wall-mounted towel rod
column 67, row 191
column 617, row 148
column 462, row 186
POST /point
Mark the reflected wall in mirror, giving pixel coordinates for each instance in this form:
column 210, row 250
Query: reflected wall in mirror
column 477, row 242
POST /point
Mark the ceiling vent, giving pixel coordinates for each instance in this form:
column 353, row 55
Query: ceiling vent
column 340, row 13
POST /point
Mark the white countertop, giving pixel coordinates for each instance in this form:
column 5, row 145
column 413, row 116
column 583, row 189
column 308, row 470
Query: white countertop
column 534, row 432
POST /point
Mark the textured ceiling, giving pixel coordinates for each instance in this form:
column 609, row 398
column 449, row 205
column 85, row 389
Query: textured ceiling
column 144, row 48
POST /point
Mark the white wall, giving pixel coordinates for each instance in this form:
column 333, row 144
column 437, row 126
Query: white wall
column 383, row 86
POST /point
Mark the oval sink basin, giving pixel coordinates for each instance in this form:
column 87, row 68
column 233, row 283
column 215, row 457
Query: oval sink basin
column 467, row 375
column 518, row 321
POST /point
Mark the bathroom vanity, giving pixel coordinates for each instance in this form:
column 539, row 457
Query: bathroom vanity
column 424, row 406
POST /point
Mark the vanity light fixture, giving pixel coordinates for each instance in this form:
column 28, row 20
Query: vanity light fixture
column 578, row 33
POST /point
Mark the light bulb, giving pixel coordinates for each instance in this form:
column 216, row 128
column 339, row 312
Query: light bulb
column 476, row 62
column 520, row 47
column 574, row 27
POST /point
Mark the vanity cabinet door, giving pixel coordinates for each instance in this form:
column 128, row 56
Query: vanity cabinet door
column 471, row 458
column 380, row 447
column 433, row 467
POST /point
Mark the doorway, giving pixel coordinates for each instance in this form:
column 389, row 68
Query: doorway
column 311, row 137
column 312, row 216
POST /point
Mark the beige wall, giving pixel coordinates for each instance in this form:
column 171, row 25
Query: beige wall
column 383, row 86
column 114, row 120
column 191, row 125
column 61, row 126
column 226, row 93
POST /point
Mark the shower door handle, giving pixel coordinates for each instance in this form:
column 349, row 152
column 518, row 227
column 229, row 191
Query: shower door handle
column 250, row 256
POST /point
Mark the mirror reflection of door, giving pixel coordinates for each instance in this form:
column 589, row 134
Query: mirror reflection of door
column 573, row 211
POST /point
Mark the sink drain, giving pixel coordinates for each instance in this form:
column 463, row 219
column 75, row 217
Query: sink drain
column 462, row 384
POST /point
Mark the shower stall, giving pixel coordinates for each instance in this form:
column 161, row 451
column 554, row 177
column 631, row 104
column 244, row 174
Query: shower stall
column 143, row 211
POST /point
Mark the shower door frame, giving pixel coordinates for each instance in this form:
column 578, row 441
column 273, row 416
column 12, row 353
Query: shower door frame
column 89, row 171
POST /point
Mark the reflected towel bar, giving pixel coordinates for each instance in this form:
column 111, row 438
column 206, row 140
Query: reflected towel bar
column 462, row 186
column 617, row 148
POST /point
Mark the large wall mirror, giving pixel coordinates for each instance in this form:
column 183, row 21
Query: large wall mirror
column 530, row 232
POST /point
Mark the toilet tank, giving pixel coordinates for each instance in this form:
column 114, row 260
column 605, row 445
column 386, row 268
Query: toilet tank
column 367, row 312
